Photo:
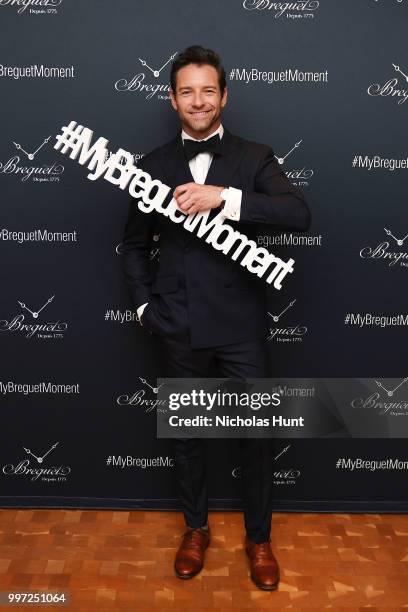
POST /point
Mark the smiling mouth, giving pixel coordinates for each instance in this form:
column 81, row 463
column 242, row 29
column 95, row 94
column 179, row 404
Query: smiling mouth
column 200, row 113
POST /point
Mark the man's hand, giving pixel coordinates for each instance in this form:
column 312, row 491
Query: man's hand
column 193, row 197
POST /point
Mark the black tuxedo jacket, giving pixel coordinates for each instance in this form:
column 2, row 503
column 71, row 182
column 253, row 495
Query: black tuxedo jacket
column 196, row 290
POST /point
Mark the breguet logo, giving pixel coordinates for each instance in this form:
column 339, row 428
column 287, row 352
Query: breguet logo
column 394, row 87
column 47, row 330
column 386, row 250
column 299, row 177
column 285, row 475
column 302, row 9
column 35, row 7
column 37, row 173
column 145, row 82
column 141, row 397
column 34, row 153
column 387, row 400
column 36, row 470
column 281, row 475
column 292, row 333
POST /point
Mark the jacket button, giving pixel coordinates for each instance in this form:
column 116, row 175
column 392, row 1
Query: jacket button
column 228, row 285
column 186, row 249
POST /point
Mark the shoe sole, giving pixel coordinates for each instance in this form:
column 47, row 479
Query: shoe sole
column 264, row 587
column 188, row 576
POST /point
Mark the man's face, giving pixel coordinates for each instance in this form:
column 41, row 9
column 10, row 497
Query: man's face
column 198, row 99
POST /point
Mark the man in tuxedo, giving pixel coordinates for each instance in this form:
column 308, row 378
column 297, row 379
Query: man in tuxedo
column 207, row 310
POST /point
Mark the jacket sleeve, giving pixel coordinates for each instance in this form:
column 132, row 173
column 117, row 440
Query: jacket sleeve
column 275, row 200
column 136, row 245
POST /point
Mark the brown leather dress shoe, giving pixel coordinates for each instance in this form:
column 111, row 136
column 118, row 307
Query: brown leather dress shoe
column 190, row 556
column 264, row 567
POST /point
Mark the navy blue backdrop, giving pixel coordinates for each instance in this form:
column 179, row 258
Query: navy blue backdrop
column 323, row 83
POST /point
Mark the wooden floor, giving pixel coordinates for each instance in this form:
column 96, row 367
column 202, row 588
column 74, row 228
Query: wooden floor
column 115, row 560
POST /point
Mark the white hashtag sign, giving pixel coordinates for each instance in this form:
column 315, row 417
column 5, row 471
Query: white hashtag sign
column 151, row 195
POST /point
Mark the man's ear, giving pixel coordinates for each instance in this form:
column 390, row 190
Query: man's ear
column 224, row 97
column 173, row 99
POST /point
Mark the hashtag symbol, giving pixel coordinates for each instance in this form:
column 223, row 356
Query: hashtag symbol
column 109, row 460
column 71, row 138
column 232, row 74
column 107, row 315
column 338, row 464
column 355, row 160
column 347, row 319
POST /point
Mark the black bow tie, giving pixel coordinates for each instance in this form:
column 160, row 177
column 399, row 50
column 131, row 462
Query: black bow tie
column 194, row 147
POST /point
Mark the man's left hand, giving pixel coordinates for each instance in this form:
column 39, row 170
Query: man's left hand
column 194, row 197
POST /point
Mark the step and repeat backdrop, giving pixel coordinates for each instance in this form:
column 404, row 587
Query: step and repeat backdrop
column 325, row 84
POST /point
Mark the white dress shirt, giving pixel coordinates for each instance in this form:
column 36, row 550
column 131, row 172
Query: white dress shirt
column 199, row 166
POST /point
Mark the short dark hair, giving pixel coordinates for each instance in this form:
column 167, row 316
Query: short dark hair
column 197, row 55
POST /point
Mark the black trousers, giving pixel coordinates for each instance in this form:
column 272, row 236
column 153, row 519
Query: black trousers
column 242, row 360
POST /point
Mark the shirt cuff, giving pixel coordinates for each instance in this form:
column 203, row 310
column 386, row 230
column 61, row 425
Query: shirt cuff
column 139, row 312
column 232, row 206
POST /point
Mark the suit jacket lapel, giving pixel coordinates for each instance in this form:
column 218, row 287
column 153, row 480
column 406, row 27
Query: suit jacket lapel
column 223, row 166
column 177, row 169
